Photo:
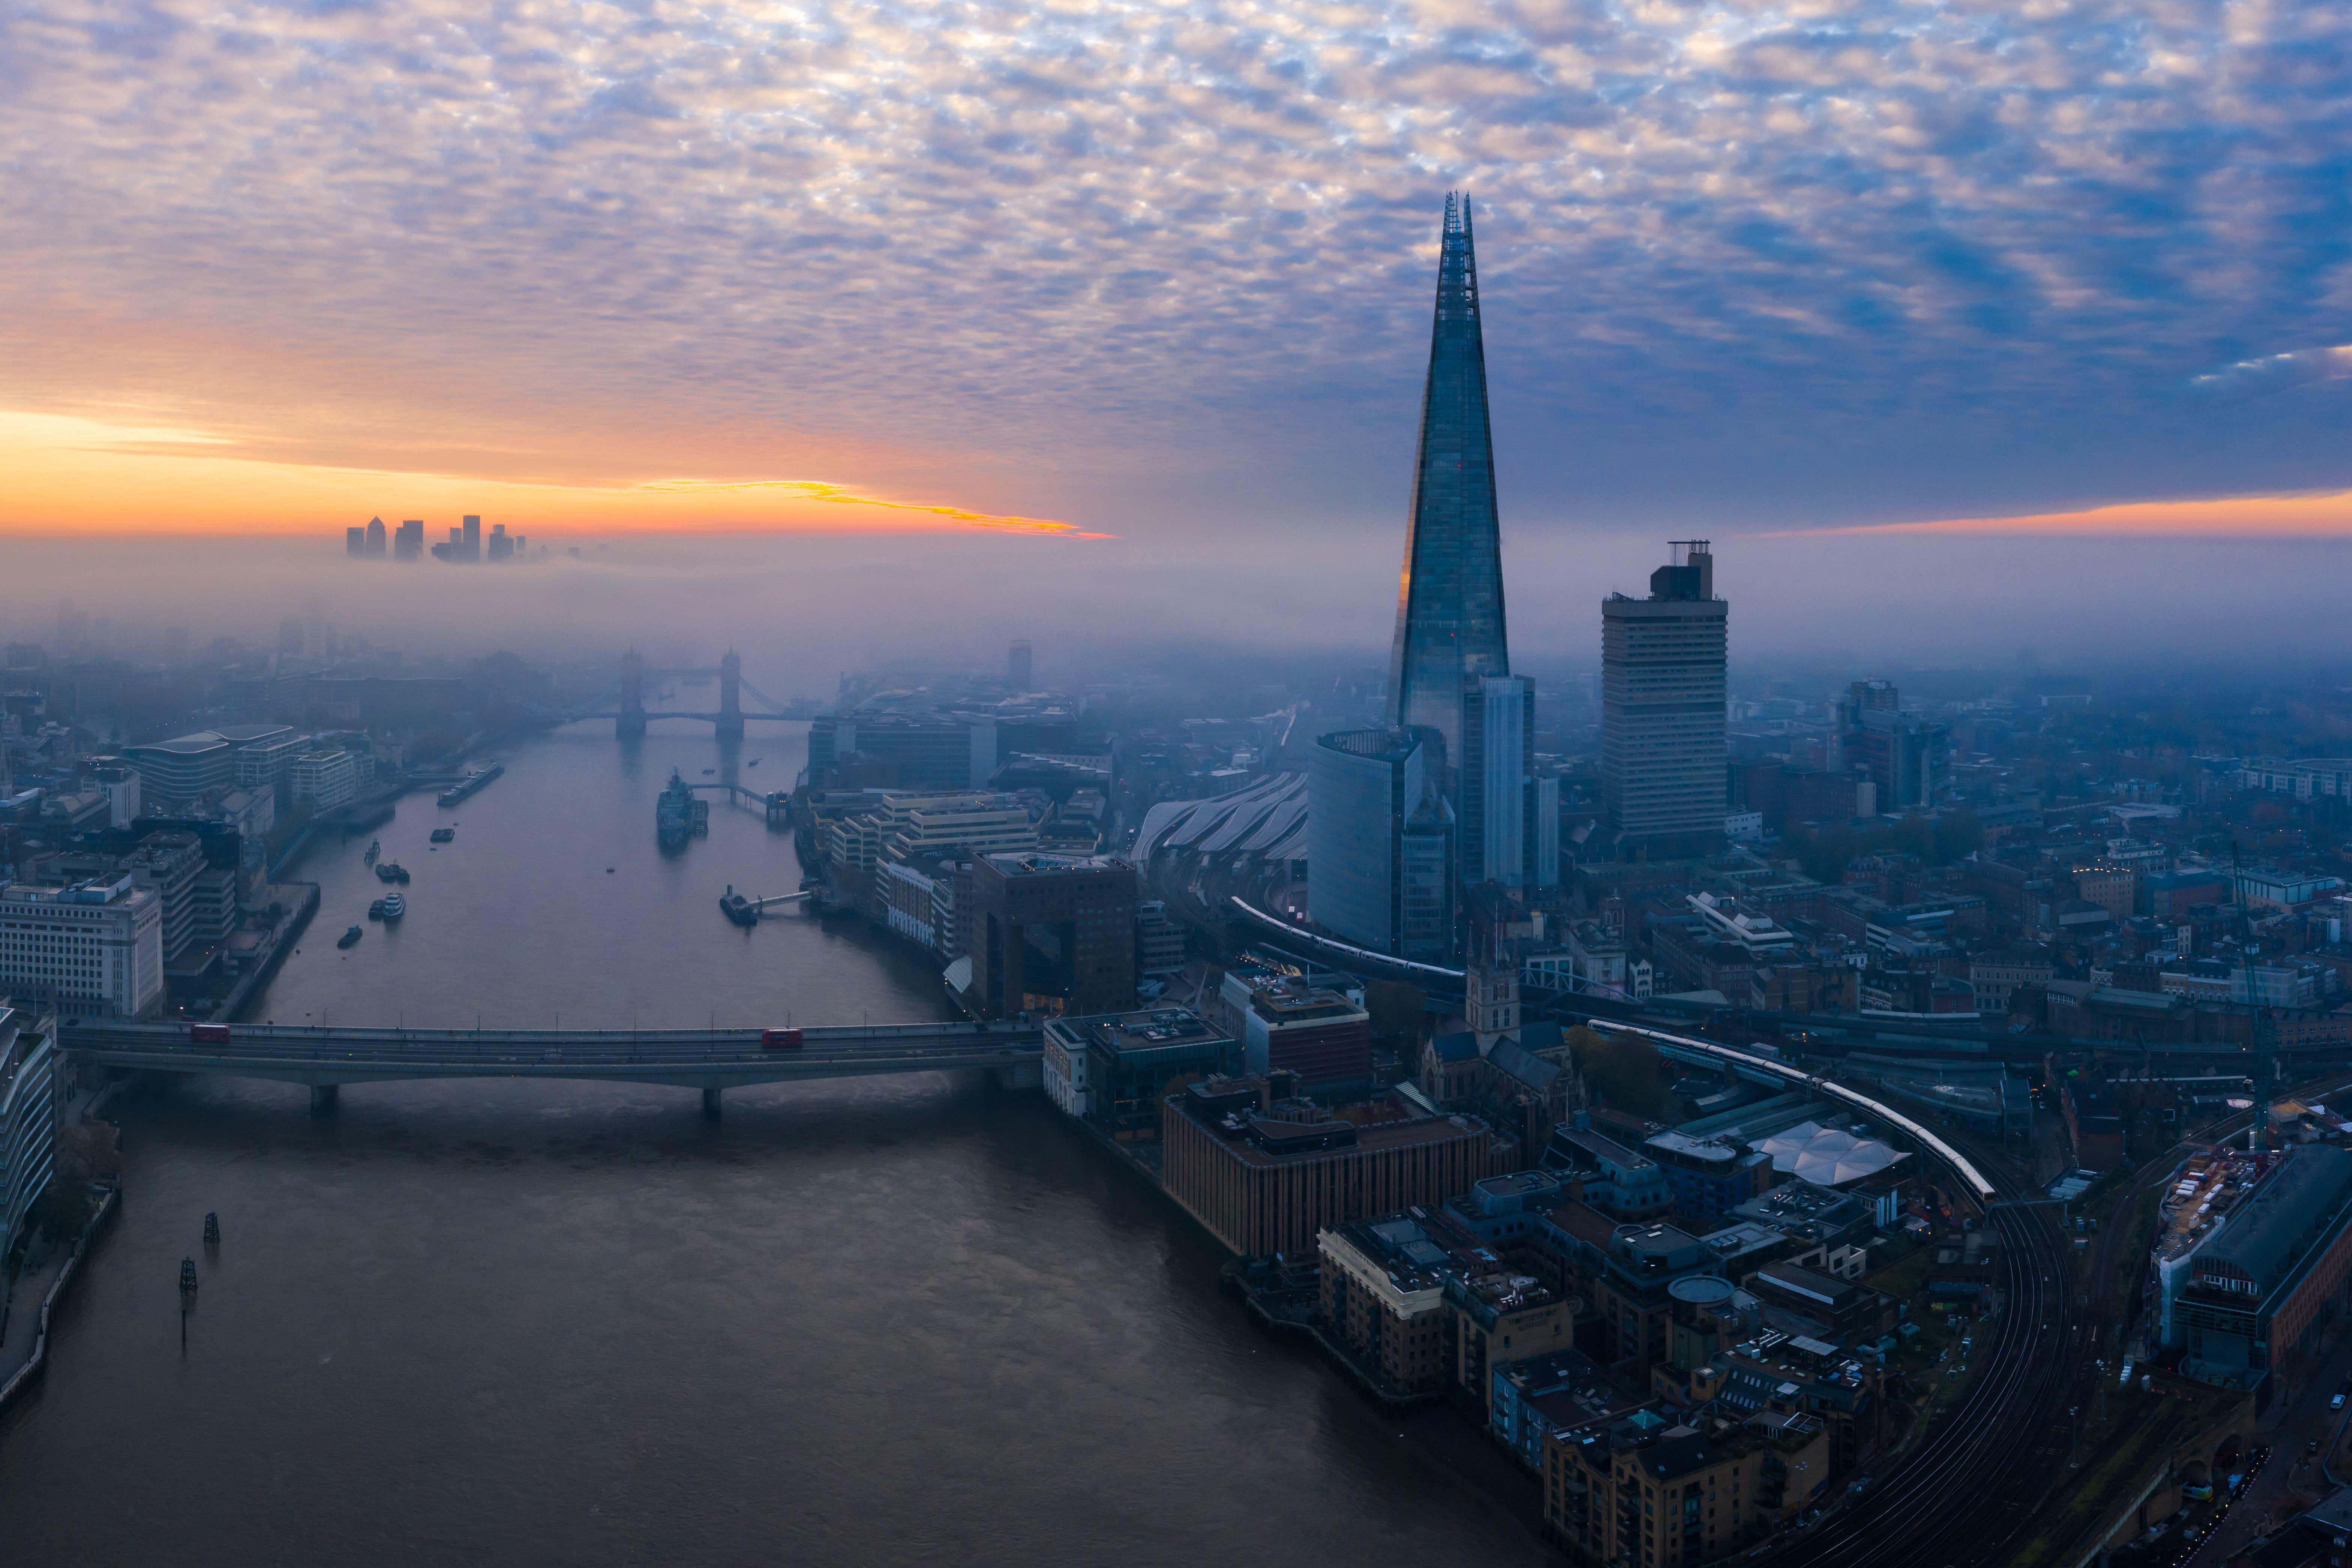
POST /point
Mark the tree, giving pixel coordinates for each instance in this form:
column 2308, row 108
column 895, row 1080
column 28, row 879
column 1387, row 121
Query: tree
column 1625, row 1070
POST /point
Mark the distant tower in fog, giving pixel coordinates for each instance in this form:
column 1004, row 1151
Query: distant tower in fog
column 375, row 539
column 1016, row 665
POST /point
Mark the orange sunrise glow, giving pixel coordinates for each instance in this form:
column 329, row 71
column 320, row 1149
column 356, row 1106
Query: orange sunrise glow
column 74, row 474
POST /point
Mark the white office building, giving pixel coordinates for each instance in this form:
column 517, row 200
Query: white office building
column 96, row 946
column 325, row 779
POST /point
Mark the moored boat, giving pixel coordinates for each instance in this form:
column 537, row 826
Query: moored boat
column 678, row 816
column 351, row 937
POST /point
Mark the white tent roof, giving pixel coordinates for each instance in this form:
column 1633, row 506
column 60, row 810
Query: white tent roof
column 1827, row 1156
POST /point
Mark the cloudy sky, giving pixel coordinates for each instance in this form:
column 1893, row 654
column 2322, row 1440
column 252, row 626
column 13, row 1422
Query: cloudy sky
column 1162, row 271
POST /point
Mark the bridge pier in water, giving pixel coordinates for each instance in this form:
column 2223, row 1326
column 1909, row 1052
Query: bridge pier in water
column 710, row 1103
column 323, row 1099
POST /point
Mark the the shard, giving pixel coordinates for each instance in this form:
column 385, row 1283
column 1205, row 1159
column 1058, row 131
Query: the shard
column 1450, row 600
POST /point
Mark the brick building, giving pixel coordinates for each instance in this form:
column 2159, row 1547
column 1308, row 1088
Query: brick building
column 1265, row 1174
column 2258, row 1286
column 1051, row 934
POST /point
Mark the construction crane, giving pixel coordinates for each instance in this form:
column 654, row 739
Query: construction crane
column 2259, row 1040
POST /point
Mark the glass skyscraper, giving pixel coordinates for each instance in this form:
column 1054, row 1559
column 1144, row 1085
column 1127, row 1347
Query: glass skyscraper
column 1491, row 777
column 1449, row 626
column 1380, row 866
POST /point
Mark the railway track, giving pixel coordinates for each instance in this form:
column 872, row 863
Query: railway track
column 1961, row 1496
column 1965, row 1492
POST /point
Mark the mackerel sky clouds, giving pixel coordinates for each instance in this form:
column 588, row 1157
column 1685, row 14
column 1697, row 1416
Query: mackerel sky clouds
column 1160, row 269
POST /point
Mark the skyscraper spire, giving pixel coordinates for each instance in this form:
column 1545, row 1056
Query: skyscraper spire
column 1450, row 599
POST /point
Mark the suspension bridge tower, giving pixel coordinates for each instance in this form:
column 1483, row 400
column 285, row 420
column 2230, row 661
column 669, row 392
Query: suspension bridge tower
column 630, row 725
column 730, row 697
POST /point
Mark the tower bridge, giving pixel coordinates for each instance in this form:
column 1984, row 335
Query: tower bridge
column 631, row 716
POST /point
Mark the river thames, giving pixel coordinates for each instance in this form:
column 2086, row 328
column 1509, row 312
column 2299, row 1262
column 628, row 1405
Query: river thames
column 902, row 1320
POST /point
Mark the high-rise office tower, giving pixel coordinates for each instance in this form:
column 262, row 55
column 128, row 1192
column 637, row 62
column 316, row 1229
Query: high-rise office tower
column 1663, row 769
column 1017, row 665
column 1498, row 722
column 1450, row 602
column 1380, row 843
column 408, row 541
column 472, row 540
column 376, row 538
column 355, row 542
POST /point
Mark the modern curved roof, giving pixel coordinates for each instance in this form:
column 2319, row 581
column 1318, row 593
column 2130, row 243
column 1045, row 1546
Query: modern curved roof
column 1214, row 814
column 1201, row 823
column 1244, row 820
column 1213, row 824
column 1246, row 823
column 1290, row 844
column 1827, row 1156
column 2277, row 1226
column 1286, row 817
column 1157, row 822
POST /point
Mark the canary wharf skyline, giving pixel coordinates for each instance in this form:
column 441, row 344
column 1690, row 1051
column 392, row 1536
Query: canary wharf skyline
column 1152, row 272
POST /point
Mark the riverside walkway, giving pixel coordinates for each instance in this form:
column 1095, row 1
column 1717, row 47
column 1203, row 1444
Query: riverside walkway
column 708, row 1059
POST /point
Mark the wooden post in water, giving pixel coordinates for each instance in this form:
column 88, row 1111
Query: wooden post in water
column 188, row 1296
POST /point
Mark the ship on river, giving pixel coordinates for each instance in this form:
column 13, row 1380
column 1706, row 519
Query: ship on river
column 679, row 815
column 471, row 784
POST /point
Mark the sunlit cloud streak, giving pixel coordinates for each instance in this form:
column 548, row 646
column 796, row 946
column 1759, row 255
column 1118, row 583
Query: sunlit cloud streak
column 2234, row 517
column 2276, row 372
column 840, row 495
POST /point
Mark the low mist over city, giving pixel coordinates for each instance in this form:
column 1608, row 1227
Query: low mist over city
column 851, row 786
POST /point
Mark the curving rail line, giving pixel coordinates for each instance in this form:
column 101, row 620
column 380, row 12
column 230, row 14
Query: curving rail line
column 1961, row 1164
column 1959, row 1496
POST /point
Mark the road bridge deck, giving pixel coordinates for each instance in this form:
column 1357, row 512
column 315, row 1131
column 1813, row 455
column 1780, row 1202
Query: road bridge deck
column 689, row 1059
